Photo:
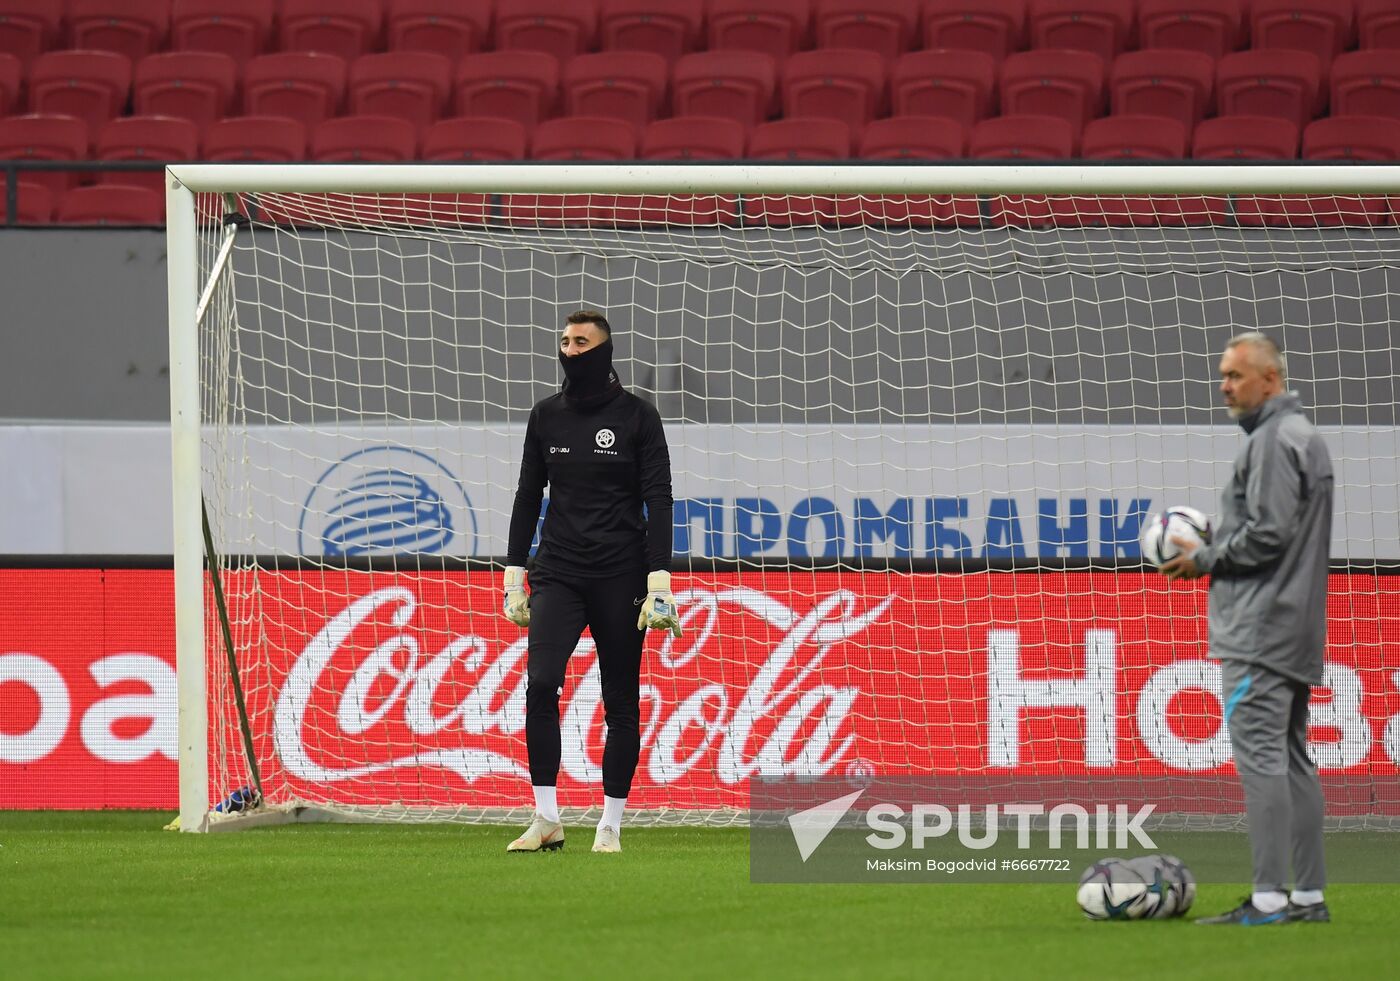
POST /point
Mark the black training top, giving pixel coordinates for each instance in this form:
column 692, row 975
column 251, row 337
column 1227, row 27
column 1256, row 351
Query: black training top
column 602, row 465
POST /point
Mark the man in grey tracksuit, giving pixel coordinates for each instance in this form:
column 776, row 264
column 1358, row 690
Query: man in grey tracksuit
column 1268, row 622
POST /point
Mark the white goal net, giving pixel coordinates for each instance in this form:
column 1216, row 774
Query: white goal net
column 914, row 437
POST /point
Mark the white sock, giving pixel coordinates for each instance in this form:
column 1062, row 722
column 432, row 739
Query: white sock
column 612, row 813
column 1269, row 902
column 547, row 803
column 1305, row 897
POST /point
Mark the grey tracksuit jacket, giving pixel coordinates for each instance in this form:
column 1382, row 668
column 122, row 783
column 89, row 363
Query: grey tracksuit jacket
column 1268, row 558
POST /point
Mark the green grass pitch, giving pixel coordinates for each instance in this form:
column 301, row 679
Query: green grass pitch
column 110, row 895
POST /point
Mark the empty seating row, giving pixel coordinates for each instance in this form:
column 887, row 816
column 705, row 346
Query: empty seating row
column 670, row 28
column 848, row 84
column 99, row 204
column 158, row 139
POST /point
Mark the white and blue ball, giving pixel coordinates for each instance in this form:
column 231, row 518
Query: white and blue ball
column 1181, row 881
column 1174, row 522
column 1112, row 889
column 1161, row 887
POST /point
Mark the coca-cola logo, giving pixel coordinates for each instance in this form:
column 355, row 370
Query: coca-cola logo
column 379, row 688
column 367, row 679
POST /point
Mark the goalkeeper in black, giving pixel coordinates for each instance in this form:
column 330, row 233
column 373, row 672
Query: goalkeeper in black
column 602, row 563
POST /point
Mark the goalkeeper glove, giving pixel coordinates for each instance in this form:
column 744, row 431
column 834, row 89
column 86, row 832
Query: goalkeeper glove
column 659, row 608
column 517, row 604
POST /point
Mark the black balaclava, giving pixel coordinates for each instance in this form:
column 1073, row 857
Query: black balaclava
column 589, row 379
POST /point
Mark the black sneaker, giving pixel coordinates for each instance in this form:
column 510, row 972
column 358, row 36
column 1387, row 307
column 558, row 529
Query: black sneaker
column 1311, row 913
column 1247, row 914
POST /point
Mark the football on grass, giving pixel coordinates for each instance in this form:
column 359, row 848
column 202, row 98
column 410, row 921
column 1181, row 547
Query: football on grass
column 1181, row 882
column 1112, row 889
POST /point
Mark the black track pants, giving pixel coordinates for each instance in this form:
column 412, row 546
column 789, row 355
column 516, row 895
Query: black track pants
column 560, row 607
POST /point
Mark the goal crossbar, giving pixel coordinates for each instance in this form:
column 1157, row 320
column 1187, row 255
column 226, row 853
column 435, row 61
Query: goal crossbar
column 979, row 178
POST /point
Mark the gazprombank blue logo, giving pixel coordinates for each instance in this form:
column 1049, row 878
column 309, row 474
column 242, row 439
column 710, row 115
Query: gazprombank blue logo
column 387, row 499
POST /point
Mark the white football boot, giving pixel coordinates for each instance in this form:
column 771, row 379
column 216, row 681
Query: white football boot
column 607, row 840
column 540, row 836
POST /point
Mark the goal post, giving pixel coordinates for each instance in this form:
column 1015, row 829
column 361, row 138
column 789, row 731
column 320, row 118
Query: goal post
column 917, row 415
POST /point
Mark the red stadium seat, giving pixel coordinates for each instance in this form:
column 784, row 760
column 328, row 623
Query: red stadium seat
column 11, row 71
column 475, row 138
column 584, row 138
column 1366, row 83
column 301, row 85
column 266, row 139
column 1101, row 26
column 29, row 27
column 1134, row 138
column 774, row 27
column 840, row 83
column 1068, row 84
column 467, row 139
column 796, row 139
column 1245, row 138
column 345, row 28
column 573, row 138
column 887, row 27
column 1125, row 138
column 1378, row 23
column 911, row 138
column 560, row 29
column 629, row 86
column 451, row 28
column 1325, row 28
column 33, row 207
column 914, row 138
column 1022, row 137
column 800, row 139
column 91, row 85
column 412, row 85
column 1212, row 27
column 1353, row 138
column 669, row 28
column 1164, row 82
column 1338, row 138
column 738, row 85
column 43, row 137
column 1311, row 210
column 994, row 27
column 1274, row 82
column 133, row 28
column 371, row 139
column 39, row 137
column 241, row 29
column 960, row 85
column 693, row 138
column 195, row 85
column 150, row 139
column 112, row 204
column 519, row 85
column 686, row 138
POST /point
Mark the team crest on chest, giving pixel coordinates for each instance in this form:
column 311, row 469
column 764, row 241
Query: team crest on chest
column 605, row 438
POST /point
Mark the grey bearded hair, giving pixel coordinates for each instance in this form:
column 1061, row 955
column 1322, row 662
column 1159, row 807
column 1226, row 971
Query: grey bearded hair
column 1265, row 345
